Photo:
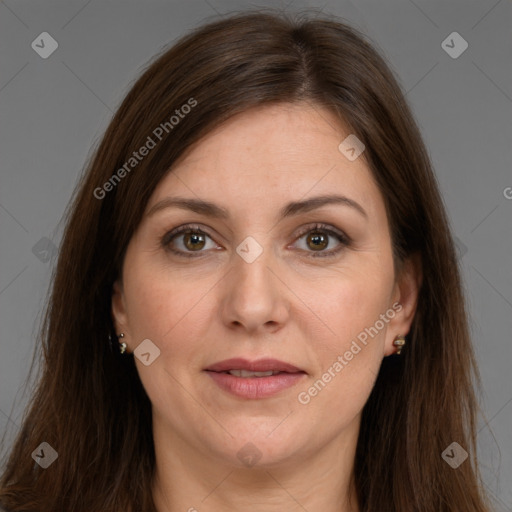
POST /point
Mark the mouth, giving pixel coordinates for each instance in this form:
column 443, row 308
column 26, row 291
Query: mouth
column 260, row 368
column 247, row 374
column 254, row 379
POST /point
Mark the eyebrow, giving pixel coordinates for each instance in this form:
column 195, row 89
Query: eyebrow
column 293, row 208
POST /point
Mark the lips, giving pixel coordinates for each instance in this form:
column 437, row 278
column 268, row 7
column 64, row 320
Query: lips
column 254, row 379
column 261, row 365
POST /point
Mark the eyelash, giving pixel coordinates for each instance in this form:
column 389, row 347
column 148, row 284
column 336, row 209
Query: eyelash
column 195, row 229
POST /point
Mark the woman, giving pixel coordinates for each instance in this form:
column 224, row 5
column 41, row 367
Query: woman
column 257, row 304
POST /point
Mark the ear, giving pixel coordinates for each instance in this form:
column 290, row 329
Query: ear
column 405, row 297
column 119, row 315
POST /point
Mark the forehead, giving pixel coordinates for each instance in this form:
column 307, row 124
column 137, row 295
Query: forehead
column 269, row 155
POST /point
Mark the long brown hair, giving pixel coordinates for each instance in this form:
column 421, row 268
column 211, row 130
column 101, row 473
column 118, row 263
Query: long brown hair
column 89, row 404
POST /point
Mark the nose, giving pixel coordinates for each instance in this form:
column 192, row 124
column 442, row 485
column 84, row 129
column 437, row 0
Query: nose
column 254, row 297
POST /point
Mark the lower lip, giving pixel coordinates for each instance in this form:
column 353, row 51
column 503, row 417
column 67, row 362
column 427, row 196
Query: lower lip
column 255, row 387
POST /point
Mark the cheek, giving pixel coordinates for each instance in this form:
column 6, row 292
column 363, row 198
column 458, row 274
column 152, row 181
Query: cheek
column 349, row 303
column 351, row 348
column 165, row 305
column 176, row 310
column 172, row 311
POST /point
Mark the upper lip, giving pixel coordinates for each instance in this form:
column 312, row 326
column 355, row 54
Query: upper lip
column 260, row 365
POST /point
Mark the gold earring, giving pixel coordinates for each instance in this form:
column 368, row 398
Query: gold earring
column 122, row 346
column 399, row 343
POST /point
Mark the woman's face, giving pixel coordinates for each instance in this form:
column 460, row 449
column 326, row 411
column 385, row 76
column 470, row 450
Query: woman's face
column 277, row 276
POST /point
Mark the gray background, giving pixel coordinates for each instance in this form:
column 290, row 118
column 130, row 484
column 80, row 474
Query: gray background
column 54, row 110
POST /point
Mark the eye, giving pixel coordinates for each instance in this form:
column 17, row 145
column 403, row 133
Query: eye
column 317, row 239
column 189, row 241
column 189, row 238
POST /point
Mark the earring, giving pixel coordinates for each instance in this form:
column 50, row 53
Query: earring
column 399, row 343
column 122, row 346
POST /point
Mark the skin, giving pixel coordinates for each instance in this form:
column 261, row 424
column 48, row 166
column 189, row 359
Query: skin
column 287, row 304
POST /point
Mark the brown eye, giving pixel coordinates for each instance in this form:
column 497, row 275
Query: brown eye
column 188, row 240
column 193, row 241
column 317, row 241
